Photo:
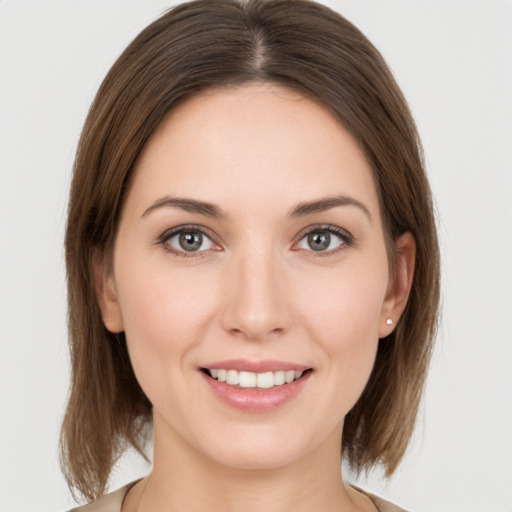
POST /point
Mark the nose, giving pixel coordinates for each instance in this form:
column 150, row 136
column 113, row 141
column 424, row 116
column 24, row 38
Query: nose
column 255, row 302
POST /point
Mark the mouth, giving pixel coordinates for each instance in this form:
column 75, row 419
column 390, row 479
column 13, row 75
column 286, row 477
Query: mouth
column 255, row 386
column 255, row 380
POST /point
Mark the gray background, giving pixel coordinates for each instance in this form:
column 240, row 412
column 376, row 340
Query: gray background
column 453, row 60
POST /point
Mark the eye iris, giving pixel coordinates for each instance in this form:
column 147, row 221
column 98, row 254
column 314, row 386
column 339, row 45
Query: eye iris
column 191, row 241
column 319, row 241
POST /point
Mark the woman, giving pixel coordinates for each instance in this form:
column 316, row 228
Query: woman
column 252, row 265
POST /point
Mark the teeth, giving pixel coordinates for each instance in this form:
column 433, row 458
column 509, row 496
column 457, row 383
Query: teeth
column 264, row 380
column 279, row 378
column 247, row 379
column 232, row 377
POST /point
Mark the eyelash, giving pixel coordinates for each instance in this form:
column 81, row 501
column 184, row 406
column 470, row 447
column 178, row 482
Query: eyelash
column 167, row 235
column 346, row 238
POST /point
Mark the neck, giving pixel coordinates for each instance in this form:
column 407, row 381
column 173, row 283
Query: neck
column 184, row 479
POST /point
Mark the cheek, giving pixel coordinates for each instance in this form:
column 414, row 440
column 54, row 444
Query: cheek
column 345, row 305
column 160, row 309
column 344, row 320
column 163, row 312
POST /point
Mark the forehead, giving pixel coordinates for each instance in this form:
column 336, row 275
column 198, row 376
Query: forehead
column 256, row 143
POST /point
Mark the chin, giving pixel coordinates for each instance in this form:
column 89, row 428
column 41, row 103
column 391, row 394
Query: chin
column 253, row 459
column 251, row 448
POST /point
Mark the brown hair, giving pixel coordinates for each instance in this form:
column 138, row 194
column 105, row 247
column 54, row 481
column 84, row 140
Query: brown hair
column 203, row 44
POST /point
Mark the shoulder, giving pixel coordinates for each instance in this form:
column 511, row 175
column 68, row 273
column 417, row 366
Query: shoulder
column 385, row 506
column 381, row 504
column 111, row 502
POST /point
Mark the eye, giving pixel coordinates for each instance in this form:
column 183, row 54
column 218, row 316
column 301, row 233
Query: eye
column 328, row 239
column 187, row 240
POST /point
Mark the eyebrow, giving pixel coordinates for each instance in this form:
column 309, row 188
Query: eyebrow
column 321, row 205
column 188, row 205
column 300, row 210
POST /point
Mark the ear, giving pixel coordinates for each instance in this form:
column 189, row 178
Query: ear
column 399, row 286
column 106, row 293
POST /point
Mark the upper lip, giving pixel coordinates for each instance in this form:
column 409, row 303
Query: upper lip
column 245, row 365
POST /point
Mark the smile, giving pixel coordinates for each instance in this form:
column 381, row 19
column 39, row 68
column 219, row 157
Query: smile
column 255, row 386
column 243, row 379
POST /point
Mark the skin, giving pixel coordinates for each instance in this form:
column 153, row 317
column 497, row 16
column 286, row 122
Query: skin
column 256, row 291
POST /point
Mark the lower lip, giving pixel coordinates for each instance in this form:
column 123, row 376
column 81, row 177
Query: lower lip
column 256, row 400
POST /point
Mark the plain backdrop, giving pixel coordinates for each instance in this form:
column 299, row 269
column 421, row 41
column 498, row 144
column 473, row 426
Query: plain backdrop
column 453, row 59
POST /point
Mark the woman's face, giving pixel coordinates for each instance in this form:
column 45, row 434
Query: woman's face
column 251, row 241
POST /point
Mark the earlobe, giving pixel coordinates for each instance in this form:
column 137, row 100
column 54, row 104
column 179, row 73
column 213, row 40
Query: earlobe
column 400, row 284
column 106, row 294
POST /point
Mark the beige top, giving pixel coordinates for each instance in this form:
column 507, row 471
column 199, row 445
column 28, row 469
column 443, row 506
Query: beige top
column 113, row 502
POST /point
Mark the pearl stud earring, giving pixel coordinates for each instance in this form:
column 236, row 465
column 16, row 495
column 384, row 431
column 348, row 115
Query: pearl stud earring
column 389, row 321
